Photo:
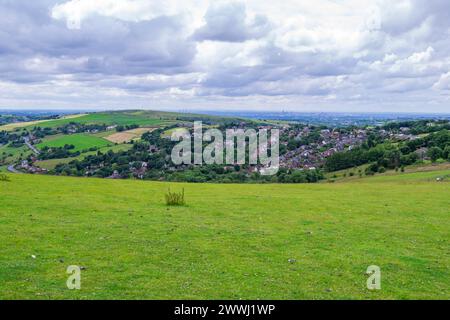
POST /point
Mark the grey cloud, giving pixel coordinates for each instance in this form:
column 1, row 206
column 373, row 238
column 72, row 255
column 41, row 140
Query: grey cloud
column 103, row 44
column 398, row 17
column 228, row 22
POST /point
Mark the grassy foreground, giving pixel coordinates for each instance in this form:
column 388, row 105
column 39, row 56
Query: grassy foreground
column 229, row 242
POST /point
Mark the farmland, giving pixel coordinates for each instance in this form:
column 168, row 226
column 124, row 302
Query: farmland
column 127, row 136
column 228, row 242
column 43, row 123
column 141, row 118
column 80, row 141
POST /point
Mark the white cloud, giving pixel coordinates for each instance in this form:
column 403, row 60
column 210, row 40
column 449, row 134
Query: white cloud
column 443, row 83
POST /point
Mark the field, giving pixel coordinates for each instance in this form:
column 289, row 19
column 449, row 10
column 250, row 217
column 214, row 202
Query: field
column 168, row 133
column 141, row 118
column 41, row 123
column 345, row 175
column 145, row 118
column 127, row 136
column 228, row 242
column 80, row 141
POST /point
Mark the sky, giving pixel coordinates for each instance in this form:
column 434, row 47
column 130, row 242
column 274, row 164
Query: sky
column 291, row 55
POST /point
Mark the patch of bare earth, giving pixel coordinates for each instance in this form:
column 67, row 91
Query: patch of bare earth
column 127, row 136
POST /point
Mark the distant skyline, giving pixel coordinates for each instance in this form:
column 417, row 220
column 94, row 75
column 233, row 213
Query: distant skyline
column 256, row 55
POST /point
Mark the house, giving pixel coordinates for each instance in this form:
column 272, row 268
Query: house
column 24, row 164
column 115, row 175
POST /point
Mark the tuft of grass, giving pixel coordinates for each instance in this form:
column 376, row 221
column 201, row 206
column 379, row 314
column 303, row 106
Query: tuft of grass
column 174, row 198
column 4, row 177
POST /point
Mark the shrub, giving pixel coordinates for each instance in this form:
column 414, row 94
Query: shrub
column 4, row 177
column 435, row 153
column 174, row 198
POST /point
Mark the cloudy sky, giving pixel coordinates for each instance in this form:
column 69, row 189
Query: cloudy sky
column 297, row 55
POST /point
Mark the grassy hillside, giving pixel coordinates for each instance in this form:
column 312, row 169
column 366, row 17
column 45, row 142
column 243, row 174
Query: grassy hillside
column 140, row 117
column 41, row 123
column 346, row 175
column 110, row 118
column 9, row 154
column 80, row 141
column 229, row 242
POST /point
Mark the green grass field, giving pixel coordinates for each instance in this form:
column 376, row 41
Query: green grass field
column 81, row 141
column 142, row 118
column 30, row 124
column 229, row 242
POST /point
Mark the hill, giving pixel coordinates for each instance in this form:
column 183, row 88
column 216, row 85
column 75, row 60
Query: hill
column 129, row 117
column 229, row 242
column 86, row 134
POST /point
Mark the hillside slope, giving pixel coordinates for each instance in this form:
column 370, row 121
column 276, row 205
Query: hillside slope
column 229, row 242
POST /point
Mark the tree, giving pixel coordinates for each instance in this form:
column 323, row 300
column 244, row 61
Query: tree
column 446, row 153
column 435, row 153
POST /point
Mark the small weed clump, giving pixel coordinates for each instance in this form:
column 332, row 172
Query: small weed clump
column 4, row 177
column 174, row 198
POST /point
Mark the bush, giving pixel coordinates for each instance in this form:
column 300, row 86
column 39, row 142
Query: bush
column 4, row 177
column 446, row 153
column 435, row 153
column 174, row 198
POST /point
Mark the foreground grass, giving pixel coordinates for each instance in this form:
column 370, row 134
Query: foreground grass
column 229, row 242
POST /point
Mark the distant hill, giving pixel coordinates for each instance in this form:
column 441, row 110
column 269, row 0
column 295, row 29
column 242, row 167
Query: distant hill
column 126, row 117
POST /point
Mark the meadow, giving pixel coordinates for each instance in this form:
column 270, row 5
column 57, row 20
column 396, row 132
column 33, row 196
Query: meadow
column 80, row 141
column 136, row 117
column 228, row 242
column 40, row 123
